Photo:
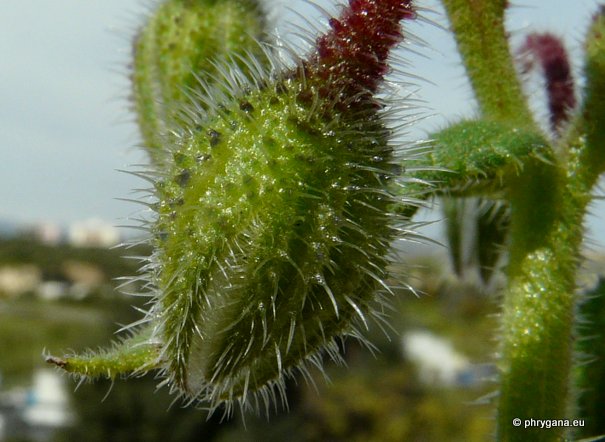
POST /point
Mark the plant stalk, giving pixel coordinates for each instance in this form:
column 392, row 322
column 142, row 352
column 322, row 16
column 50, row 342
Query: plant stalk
column 478, row 26
column 538, row 312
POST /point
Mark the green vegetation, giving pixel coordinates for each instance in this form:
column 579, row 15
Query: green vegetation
column 51, row 259
column 29, row 325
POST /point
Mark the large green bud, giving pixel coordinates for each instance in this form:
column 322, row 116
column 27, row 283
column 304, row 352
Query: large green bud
column 275, row 211
column 277, row 216
column 272, row 239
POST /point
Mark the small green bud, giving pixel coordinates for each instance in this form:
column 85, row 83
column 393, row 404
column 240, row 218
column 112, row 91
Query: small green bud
column 182, row 42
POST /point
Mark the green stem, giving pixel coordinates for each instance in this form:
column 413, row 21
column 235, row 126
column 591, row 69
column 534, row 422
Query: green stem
column 587, row 137
column 478, row 26
column 546, row 235
column 548, row 207
column 136, row 354
column 538, row 319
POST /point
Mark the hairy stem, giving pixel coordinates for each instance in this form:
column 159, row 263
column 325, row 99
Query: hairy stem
column 548, row 207
column 478, row 26
column 537, row 323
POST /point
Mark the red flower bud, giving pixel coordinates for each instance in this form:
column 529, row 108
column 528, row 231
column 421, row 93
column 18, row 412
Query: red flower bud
column 350, row 60
column 548, row 51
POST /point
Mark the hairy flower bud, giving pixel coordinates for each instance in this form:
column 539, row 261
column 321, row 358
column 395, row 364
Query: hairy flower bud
column 276, row 219
column 548, row 52
column 276, row 211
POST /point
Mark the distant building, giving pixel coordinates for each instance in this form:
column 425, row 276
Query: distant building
column 18, row 279
column 93, row 233
column 49, row 233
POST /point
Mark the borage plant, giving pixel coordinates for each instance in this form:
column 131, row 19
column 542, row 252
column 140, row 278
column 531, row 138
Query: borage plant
column 279, row 187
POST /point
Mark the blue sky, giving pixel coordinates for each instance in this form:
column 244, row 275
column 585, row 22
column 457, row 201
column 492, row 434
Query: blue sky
column 65, row 119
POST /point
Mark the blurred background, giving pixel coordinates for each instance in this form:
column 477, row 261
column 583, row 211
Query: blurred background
column 66, row 128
